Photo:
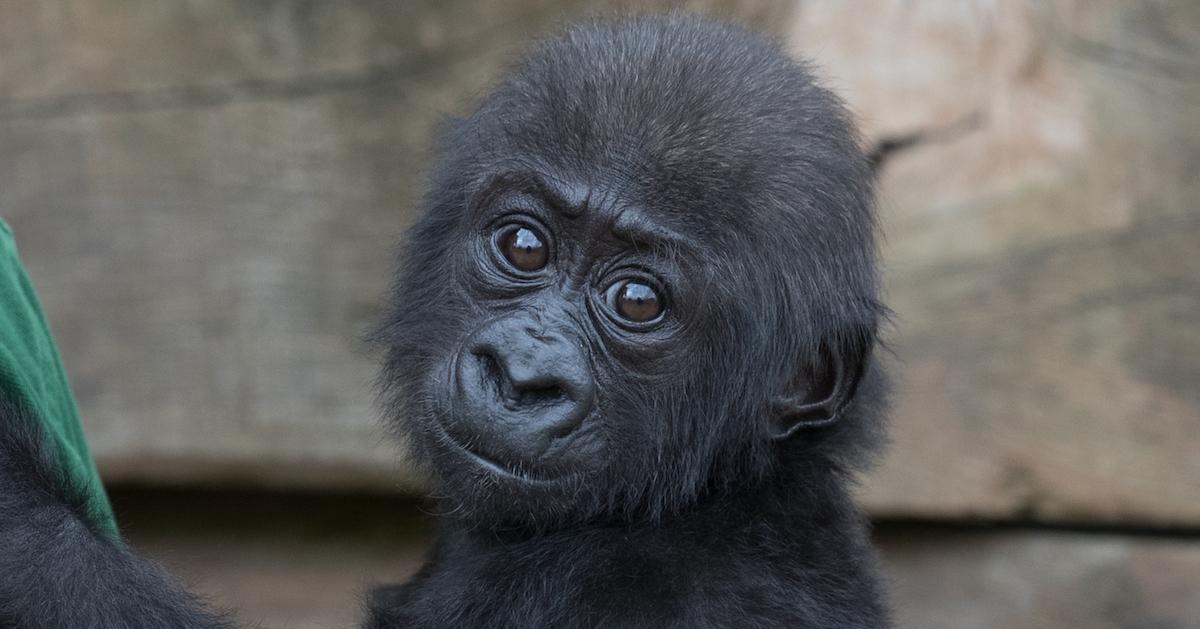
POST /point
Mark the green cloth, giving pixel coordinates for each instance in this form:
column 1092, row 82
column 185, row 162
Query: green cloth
column 31, row 374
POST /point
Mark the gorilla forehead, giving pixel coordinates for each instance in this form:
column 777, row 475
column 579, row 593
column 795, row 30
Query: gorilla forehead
column 703, row 122
column 716, row 133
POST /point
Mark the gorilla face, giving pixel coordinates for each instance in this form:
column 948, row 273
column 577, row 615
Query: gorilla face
column 561, row 293
column 640, row 272
column 569, row 332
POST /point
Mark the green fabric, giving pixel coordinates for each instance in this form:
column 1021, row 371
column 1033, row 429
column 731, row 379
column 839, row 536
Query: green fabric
column 32, row 374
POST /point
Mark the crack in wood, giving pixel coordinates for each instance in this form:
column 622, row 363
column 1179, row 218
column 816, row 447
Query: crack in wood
column 889, row 146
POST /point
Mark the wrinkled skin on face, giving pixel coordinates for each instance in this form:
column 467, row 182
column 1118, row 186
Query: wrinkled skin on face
column 644, row 273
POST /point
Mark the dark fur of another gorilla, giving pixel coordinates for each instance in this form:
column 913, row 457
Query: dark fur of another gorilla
column 632, row 340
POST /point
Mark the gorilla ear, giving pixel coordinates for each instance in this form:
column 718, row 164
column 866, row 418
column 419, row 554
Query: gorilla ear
column 820, row 396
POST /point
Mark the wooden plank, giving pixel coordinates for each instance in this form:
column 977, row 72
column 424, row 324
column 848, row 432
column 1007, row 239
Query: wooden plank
column 979, row 579
column 1055, row 385
column 1042, row 262
column 291, row 561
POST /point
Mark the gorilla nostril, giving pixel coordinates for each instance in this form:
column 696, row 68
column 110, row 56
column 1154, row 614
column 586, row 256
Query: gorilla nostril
column 492, row 376
column 533, row 392
column 547, row 395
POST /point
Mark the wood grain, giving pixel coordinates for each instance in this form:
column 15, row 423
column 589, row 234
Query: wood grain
column 1042, row 261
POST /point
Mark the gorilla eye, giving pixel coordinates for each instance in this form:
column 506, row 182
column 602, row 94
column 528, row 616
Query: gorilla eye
column 635, row 301
column 523, row 247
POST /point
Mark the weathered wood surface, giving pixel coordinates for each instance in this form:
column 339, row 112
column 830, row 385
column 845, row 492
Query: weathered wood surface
column 964, row 579
column 1043, row 252
column 300, row 562
column 207, row 194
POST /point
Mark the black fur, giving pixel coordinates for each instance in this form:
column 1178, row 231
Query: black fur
column 708, row 481
column 685, row 513
column 57, row 569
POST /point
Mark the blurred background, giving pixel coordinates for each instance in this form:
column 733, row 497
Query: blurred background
column 207, row 195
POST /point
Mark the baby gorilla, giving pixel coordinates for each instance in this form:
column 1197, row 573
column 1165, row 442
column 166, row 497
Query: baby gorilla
column 632, row 339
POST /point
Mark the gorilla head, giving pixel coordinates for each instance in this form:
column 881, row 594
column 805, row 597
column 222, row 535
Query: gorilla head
column 644, row 275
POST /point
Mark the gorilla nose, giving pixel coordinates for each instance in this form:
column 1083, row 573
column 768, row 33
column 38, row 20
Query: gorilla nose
column 521, row 386
column 520, row 389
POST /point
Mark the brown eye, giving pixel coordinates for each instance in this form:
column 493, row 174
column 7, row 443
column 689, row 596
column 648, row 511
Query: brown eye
column 523, row 247
column 635, row 301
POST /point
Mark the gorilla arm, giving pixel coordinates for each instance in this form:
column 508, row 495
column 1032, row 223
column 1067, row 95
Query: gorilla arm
column 58, row 570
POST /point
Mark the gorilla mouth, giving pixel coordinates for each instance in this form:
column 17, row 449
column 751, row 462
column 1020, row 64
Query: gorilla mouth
column 497, row 468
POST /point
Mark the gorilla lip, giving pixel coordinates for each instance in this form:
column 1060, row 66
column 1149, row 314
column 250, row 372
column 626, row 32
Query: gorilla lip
column 496, row 468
